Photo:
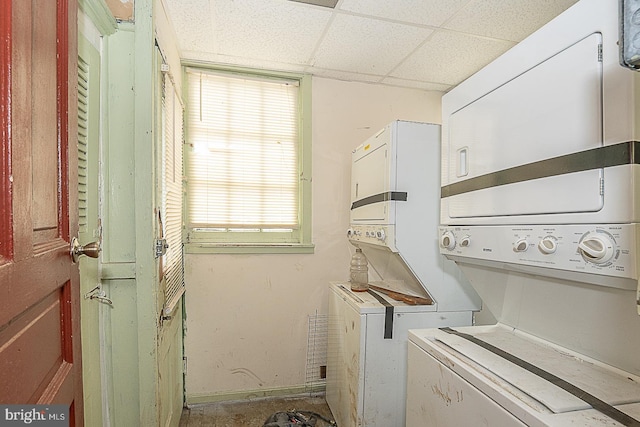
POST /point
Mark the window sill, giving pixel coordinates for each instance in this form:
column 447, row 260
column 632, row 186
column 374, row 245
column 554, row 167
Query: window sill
column 253, row 248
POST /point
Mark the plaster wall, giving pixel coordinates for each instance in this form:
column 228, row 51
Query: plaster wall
column 247, row 315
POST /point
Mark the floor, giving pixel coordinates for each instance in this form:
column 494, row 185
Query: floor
column 252, row 412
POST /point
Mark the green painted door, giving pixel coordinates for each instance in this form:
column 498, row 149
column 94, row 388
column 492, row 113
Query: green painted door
column 93, row 300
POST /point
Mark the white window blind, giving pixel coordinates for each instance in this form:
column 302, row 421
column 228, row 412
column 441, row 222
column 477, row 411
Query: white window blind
column 173, row 270
column 243, row 148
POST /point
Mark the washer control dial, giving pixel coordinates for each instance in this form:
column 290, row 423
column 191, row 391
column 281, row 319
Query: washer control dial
column 448, row 240
column 521, row 245
column 465, row 241
column 548, row 245
column 597, row 248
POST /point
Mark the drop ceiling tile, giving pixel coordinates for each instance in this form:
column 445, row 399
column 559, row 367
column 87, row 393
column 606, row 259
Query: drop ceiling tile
column 423, row 12
column 448, row 58
column 280, row 31
column 368, row 46
column 191, row 20
column 506, row 19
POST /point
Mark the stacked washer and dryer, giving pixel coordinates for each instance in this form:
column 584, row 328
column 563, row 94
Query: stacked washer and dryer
column 395, row 184
column 539, row 208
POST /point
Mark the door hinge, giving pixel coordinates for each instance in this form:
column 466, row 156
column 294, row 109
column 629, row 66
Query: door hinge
column 161, row 247
column 600, row 53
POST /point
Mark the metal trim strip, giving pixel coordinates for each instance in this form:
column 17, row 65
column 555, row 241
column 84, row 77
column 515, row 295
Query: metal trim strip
column 609, row 155
column 597, row 404
column 388, row 314
column 382, row 197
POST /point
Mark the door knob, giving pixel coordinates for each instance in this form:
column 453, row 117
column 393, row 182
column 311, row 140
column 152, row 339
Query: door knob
column 92, row 250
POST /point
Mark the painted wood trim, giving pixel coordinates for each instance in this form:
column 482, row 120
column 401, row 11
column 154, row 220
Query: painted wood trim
column 63, row 95
column 147, row 285
column 204, row 248
column 118, row 271
column 100, row 15
column 306, row 161
column 198, row 398
column 6, row 231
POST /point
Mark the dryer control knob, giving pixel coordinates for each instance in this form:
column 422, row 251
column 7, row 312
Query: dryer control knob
column 448, row 240
column 521, row 245
column 548, row 245
column 350, row 232
column 465, row 242
column 597, row 248
column 381, row 235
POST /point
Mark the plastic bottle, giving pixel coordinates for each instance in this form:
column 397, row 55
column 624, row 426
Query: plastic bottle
column 359, row 272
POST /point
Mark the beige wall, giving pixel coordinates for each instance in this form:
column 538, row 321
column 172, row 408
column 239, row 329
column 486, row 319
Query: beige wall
column 247, row 315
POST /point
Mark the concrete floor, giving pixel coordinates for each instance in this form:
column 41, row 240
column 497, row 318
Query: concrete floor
column 253, row 412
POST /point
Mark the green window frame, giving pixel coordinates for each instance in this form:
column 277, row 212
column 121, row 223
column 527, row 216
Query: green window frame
column 247, row 167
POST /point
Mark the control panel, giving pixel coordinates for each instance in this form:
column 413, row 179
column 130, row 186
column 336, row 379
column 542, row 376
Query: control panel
column 608, row 250
column 383, row 235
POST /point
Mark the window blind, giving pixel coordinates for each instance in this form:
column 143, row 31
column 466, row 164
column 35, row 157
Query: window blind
column 243, row 152
column 173, row 270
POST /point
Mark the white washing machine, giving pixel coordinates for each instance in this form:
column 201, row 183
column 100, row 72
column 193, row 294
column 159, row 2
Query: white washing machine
column 539, row 208
column 367, row 357
column 454, row 380
column 565, row 349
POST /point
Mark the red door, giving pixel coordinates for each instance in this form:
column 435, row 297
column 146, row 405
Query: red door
column 39, row 284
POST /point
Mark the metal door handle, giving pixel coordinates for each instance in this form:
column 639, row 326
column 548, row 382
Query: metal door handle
column 92, row 250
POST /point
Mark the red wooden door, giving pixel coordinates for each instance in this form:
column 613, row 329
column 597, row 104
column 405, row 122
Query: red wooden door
column 39, row 284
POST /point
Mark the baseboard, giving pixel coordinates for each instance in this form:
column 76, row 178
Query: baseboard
column 199, row 398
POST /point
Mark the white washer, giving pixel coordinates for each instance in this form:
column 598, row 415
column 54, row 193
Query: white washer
column 564, row 350
column 366, row 372
column 455, row 382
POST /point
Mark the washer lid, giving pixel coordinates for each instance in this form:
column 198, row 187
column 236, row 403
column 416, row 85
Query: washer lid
column 506, row 379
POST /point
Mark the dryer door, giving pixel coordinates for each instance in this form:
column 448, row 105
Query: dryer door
column 370, row 180
column 514, row 150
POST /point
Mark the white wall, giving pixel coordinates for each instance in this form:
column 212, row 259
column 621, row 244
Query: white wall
column 247, row 314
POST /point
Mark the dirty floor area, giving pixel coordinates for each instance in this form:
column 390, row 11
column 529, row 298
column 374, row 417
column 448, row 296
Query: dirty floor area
column 253, row 412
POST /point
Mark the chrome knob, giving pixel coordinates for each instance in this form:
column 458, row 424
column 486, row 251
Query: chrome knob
column 92, row 250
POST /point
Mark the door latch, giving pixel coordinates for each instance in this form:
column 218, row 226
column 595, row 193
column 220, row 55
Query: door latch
column 161, row 247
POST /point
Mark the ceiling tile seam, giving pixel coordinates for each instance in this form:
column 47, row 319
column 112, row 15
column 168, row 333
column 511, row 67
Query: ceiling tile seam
column 312, row 57
column 410, row 54
column 456, row 13
column 477, row 36
column 337, row 70
column 313, row 6
column 383, row 19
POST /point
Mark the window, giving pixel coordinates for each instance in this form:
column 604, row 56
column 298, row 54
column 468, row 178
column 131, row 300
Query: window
column 248, row 162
